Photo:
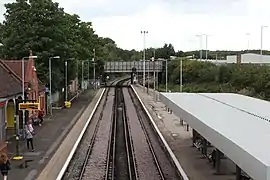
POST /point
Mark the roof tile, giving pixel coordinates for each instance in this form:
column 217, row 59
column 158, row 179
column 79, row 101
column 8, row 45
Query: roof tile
column 9, row 85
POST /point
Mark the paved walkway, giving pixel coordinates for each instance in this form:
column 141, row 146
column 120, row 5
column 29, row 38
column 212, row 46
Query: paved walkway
column 47, row 139
column 180, row 141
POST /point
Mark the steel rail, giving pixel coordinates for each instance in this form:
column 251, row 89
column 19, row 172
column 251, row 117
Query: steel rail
column 90, row 147
column 139, row 112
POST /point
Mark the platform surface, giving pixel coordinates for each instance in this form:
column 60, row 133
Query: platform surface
column 47, row 139
column 180, row 141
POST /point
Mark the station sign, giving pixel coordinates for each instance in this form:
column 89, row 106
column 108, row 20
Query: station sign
column 29, row 106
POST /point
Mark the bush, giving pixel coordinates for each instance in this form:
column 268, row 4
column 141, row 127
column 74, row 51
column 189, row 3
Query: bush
column 248, row 79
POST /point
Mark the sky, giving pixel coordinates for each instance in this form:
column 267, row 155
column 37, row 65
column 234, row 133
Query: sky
column 228, row 24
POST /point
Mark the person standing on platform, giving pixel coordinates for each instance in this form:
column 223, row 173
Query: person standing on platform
column 40, row 116
column 4, row 165
column 29, row 135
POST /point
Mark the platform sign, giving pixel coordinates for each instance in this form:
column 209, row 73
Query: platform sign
column 29, row 106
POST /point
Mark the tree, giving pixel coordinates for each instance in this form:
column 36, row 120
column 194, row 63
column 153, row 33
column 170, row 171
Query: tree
column 48, row 31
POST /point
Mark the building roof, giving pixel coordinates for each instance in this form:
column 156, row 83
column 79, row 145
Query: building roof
column 10, row 86
column 254, row 106
column 239, row 135
column 16, row 67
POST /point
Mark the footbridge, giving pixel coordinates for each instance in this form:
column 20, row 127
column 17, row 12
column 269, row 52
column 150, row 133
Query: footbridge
column 130, row 66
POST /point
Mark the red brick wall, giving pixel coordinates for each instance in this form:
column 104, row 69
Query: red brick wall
column 2, row 104
column 31, row 77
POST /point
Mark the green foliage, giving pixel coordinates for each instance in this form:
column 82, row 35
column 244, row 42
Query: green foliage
column 247, row 79
column 49, row 31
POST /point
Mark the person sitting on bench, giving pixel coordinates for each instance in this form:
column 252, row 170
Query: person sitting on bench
column 213, row 157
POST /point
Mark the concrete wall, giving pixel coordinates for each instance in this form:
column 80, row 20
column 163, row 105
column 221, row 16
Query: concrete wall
column 73, row 86
column 231, row 59
column 56, row 97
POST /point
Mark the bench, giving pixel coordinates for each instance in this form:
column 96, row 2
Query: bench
column 209, row 157
column 197, row 145
column 244, row 176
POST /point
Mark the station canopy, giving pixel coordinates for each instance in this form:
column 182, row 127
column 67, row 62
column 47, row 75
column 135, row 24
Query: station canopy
column 235, row 124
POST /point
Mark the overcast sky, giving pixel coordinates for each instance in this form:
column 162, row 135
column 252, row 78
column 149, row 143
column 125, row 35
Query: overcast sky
column 227, row 22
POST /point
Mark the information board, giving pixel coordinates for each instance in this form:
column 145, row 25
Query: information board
column 29, row 106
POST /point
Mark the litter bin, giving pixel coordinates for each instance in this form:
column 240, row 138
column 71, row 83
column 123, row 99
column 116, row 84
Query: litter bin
column 67, row 104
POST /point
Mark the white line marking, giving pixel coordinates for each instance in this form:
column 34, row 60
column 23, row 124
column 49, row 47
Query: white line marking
column 31, row 175
column 177, row 164
column 62, row 172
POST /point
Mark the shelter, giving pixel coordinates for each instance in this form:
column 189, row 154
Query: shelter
column 241, row 136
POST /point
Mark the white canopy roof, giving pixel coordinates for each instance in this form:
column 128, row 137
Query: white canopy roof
column 241, row 136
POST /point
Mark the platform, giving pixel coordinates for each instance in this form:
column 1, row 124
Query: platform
column 241, row 136
column 180, row 141
column 47, row 139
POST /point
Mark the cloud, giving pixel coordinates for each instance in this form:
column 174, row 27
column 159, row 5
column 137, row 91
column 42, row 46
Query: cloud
column 104, row 8
column 176, row 21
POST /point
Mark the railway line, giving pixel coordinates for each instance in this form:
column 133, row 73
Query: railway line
column 120, row 143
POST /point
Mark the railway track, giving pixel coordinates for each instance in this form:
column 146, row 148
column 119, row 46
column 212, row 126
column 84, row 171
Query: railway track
column 120, row 143
column 120, row 165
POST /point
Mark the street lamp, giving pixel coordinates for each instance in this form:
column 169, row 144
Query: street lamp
column 248, row 35
column 166, row 64
column 1, row 44
column 66, row 79
column 83, row 72
column 66, row 94
column 148, row 76
column 50, row 76
column 17, row 156
column 94, row 63
column 206, row 44
column 181, row 73
column 200, row 36
column 144, row 35
column 153, row 59
column 23, row 81
column 262, row 27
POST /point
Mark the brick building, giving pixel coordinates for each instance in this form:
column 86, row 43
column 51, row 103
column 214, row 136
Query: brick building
column 11, row 90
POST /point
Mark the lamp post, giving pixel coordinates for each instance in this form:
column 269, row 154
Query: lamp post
column 148, row 76
column 94, row 63
column 23, row 88
column 66, row 78
column 82, row 76
column 66, row 68
column 50, row 77
column 261, row 53
column 248, row 35
column 200, row 36
column 88, row 71
column 206, row 46
column 153, row 59
column 166, row 75
column 144, row 35
column 181, row 75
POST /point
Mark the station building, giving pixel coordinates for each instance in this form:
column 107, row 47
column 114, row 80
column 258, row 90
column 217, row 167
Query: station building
column 11, row 95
